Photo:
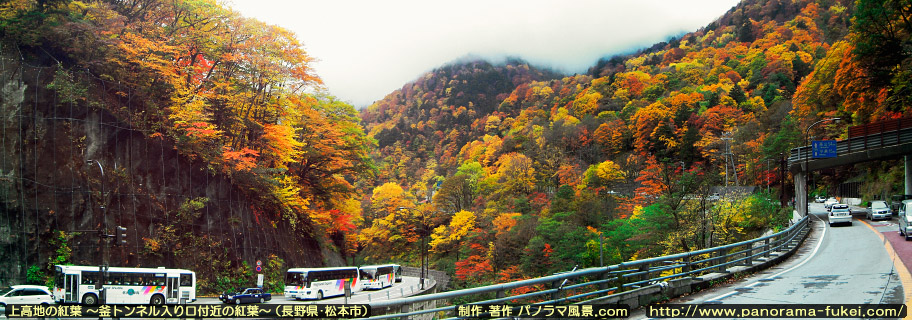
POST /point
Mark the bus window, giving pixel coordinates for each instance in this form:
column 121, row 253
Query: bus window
column 89, row 277
column 186, row 280
column 158, row 279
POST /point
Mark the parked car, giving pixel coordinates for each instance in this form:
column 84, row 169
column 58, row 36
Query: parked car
column 26, row 294
column 820, row 199
column 840, row 213
column 248, row 295
column 878, row 210
column 905, row 219
column 828, row 204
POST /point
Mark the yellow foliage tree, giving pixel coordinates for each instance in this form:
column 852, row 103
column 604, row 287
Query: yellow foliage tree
column 603, row 174
column 447, row 238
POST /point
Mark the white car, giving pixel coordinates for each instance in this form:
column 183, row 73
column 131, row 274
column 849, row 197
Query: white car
column 830, row 202
column 879, row 210
column 905, row 219
column 819, row 199
column 840, row 213
column 25, row 294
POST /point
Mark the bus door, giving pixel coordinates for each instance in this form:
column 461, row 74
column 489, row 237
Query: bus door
column 186, row 287
column 71, row 288
column 172, row 288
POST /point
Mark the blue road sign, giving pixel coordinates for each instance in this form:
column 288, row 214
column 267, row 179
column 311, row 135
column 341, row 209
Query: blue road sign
column 823, row 148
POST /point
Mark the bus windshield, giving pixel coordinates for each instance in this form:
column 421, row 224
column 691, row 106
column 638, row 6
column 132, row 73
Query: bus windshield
column 368, row 273
column 295, row 278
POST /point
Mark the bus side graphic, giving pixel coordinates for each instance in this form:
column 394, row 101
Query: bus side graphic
column 151, row 289
column 340, row 284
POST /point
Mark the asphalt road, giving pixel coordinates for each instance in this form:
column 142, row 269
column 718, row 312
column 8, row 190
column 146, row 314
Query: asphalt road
column 843, row 264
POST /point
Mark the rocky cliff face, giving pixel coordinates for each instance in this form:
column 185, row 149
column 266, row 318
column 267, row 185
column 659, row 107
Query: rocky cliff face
column 67, row 165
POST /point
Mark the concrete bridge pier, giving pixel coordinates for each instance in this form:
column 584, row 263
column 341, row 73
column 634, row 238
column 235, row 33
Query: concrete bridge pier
column 908, row 165
column 801, row 193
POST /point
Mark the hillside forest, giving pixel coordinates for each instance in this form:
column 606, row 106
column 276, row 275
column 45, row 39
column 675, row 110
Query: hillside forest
column 508, row 171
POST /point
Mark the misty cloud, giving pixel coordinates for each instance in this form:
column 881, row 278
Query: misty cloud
column 367, row 49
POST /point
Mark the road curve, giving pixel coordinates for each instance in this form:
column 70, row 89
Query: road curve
column 836, row 265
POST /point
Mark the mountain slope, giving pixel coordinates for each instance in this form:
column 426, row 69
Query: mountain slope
column 199, row 126
column 559, row 162
column 434, row 116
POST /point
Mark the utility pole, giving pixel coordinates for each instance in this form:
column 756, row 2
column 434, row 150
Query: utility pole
column 102, row 235
column 768, row 174
column 729, row 159
column 682, row 178
column 425, row 263
column 807, row 169
column 782, row 163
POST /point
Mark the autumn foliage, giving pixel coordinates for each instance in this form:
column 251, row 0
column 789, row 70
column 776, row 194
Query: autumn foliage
column 501, row 171
column 232, row 92
column 627, row 154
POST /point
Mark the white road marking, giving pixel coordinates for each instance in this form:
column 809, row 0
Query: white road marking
column 808, row 258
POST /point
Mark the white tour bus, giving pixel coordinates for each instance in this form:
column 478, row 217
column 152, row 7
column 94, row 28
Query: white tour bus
column 157, row 286
column 378, row 276
column 317, row 283
column 397, row 269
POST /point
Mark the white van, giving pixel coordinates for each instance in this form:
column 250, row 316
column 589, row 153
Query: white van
column 905, row 214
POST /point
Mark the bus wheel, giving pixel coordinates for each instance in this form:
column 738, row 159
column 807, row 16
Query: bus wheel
column 157, row 300
column 89, row 299
column 320, row 295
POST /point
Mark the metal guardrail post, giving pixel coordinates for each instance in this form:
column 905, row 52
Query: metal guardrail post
column 786, row 241
column 749, row 255
column 720, row 260
column 556, row 285
column 404, row 308
column 793, row 240
column 766, row 248
column 688, row 267
column 644, row 274
column 777, row 240
column 619, row 282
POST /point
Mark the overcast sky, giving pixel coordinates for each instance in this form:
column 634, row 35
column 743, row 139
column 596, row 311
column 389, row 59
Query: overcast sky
column 367, row 49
